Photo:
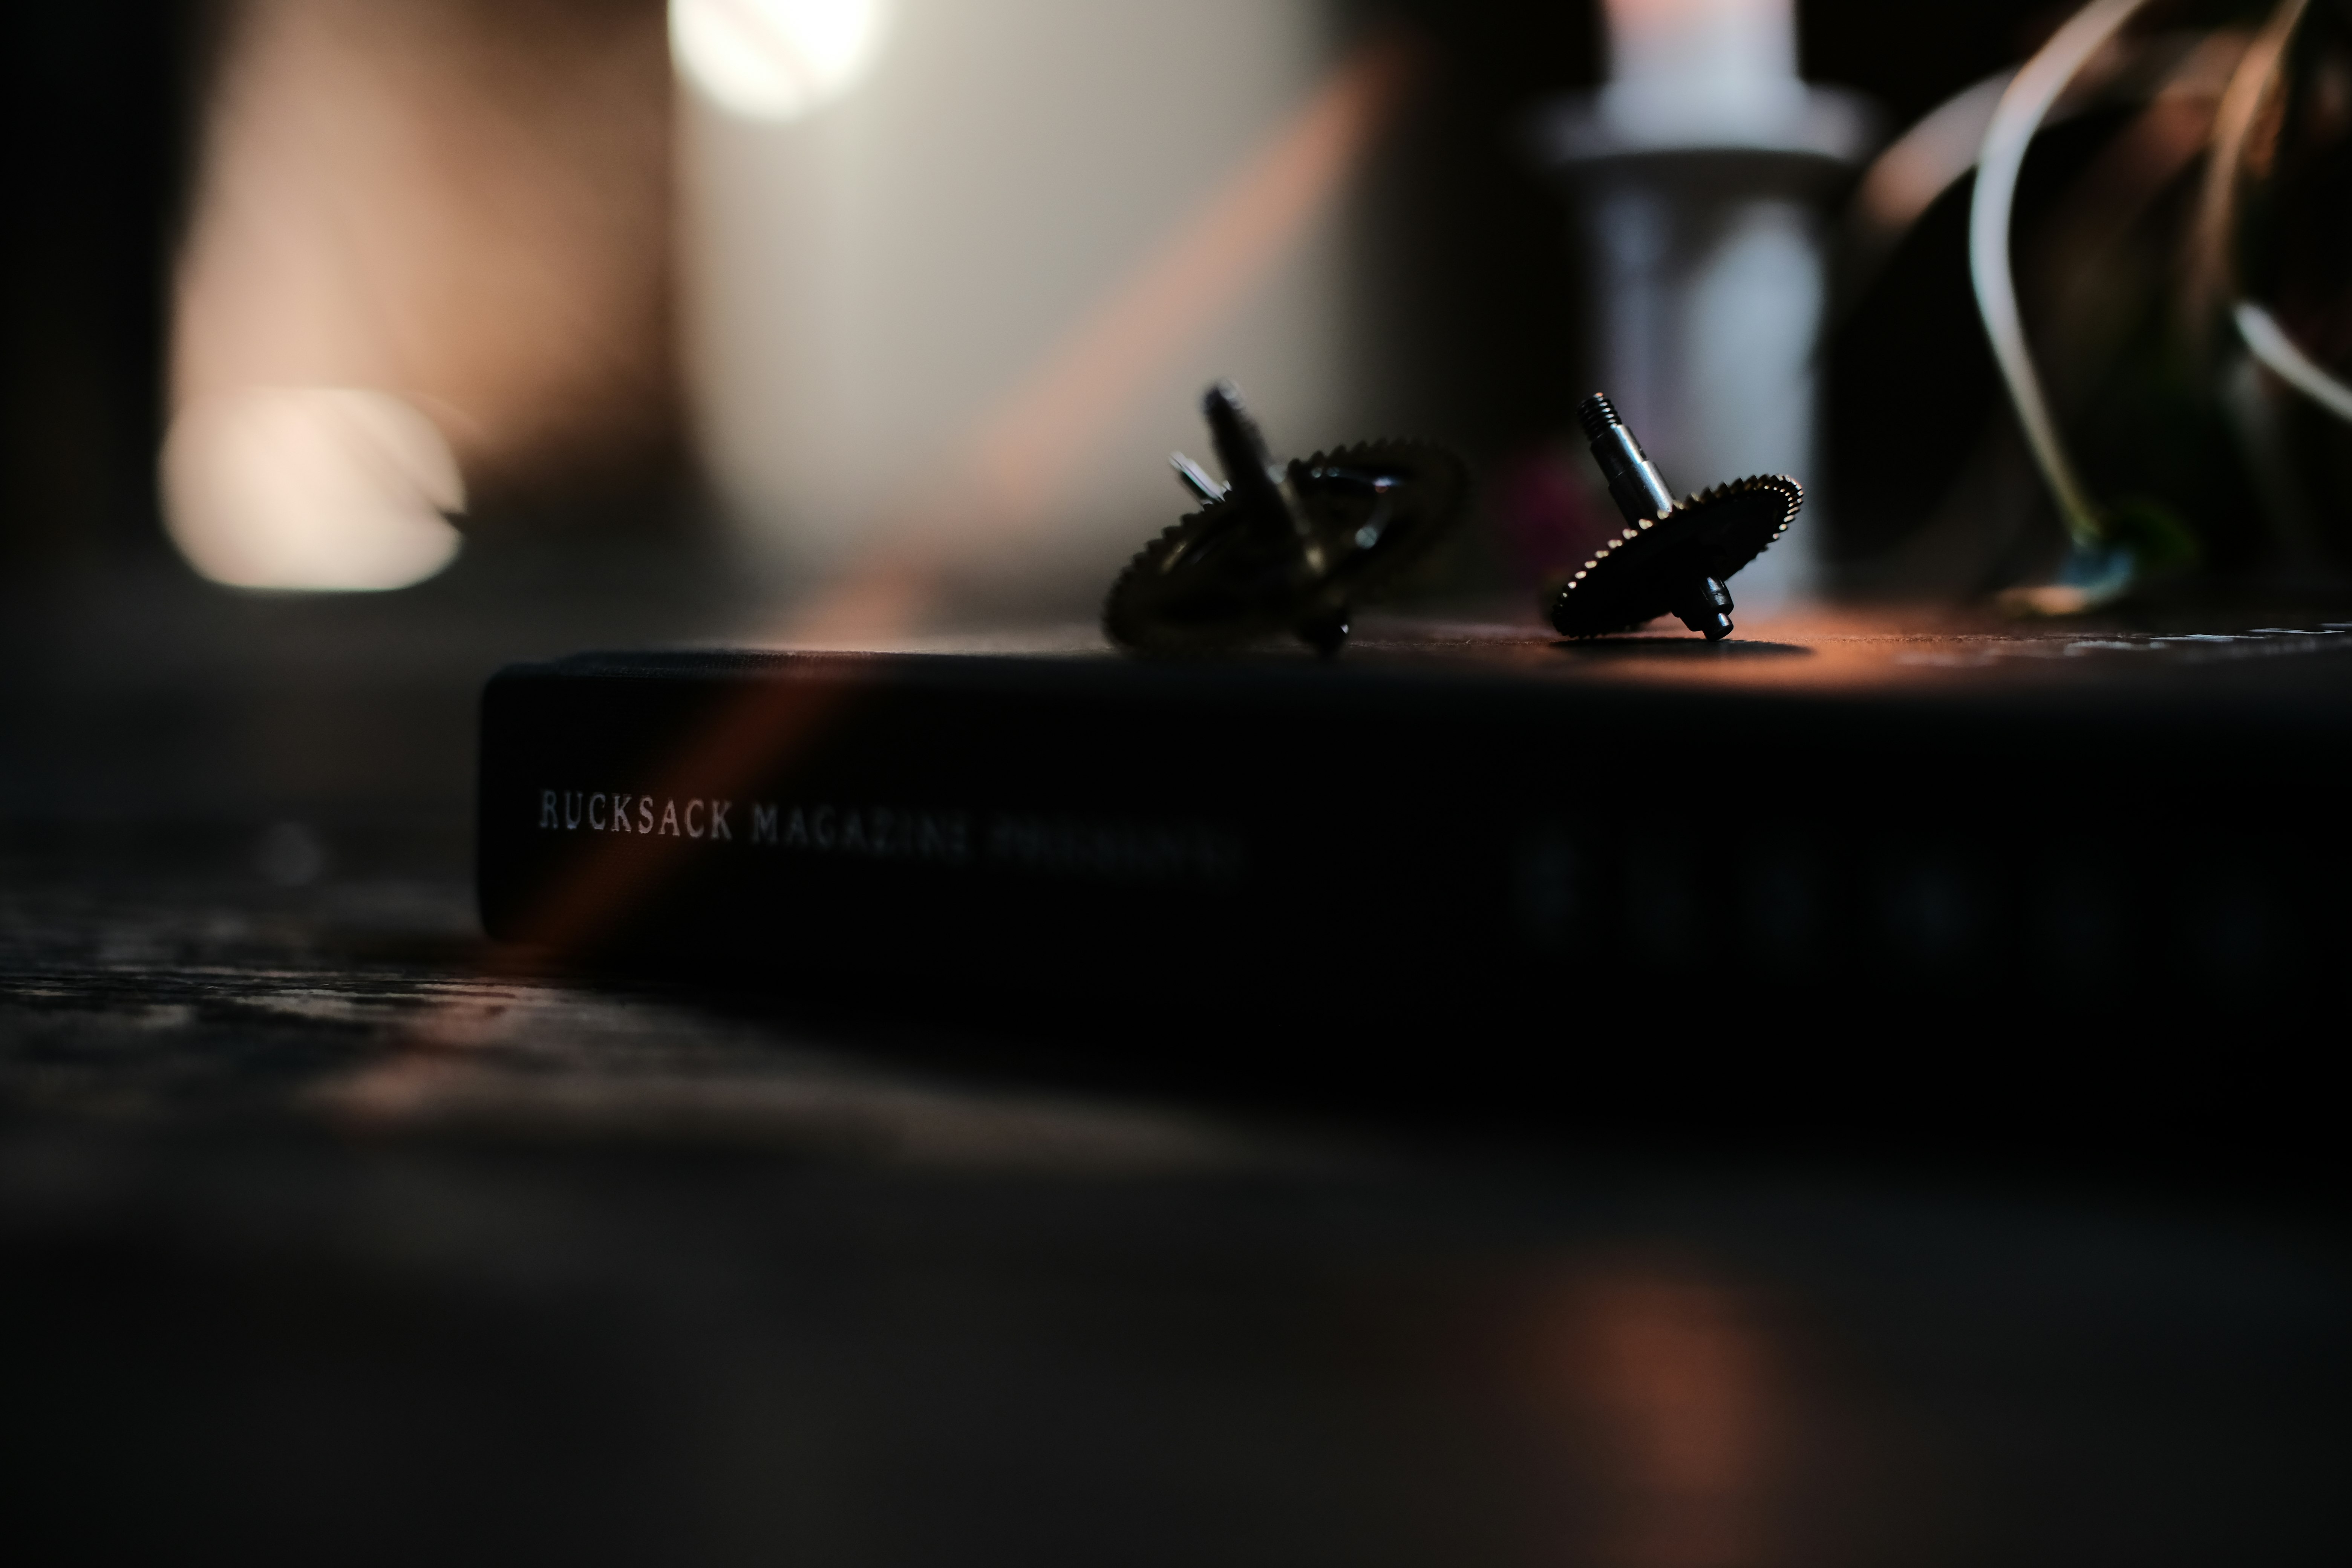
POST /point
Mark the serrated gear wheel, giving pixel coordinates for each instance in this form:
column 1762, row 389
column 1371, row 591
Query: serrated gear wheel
column 1671, row 557
column 1288, row 551
column 1677, row 565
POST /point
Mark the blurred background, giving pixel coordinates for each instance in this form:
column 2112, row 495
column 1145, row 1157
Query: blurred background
column 348, row 341
column 822, row 283
column 828, row 279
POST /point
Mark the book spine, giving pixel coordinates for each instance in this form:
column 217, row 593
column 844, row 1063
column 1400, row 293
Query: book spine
column 837, row 818
column 1543, row 855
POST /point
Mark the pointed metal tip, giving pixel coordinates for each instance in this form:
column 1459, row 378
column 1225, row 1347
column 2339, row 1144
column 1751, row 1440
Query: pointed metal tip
column 1241, row 447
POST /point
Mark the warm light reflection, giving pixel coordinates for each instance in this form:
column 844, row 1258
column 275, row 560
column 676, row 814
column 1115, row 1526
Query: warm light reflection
column 310, row 487
column 774, row 59
column 1670, row 1382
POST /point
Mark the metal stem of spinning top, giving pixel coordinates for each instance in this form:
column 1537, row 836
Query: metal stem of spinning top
column 1282, row 548
column 1673, row 557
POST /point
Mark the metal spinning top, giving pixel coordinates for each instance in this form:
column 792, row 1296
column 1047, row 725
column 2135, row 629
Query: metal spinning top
column 1672, row 556
column 1282, row 547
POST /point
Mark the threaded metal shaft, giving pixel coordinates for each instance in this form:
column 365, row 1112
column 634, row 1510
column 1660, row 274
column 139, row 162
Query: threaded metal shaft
column 1596, row 413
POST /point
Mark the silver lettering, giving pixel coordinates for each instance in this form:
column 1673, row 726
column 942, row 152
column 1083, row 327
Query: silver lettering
column 596, row 812
column 719, row 829
column 571, row 809
column 763, row 824
column 645, row 814
column 1128, row 852
column 669, row 818
column 821, row 825
column 692, row 829
column 547, row 817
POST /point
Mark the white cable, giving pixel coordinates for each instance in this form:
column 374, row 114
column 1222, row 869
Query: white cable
column 2282, row 357
column 2021, row 112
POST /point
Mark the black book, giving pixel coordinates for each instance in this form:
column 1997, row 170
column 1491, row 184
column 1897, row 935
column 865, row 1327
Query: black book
column 1877, row 831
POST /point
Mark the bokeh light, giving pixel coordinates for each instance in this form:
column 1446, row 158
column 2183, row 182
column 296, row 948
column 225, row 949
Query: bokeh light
column 774, row 59
column 316, row 488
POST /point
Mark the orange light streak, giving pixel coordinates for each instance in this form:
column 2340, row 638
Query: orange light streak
column 1022, row 455
column 1019, row 457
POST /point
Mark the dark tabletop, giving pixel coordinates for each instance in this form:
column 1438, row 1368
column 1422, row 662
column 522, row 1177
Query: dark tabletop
column 332, row 1232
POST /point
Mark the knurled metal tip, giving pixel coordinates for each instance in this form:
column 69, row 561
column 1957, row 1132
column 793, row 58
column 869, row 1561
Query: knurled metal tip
column 1596, row 413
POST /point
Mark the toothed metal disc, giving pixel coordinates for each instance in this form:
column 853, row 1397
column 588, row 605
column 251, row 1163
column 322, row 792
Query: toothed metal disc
column 1640, row 572
column 1231, row 572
